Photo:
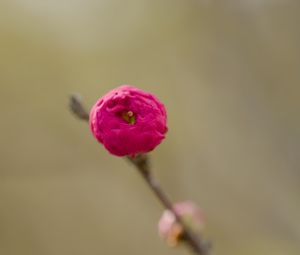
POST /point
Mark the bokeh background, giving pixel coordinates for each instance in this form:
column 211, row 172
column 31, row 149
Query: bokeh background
column 228, row 73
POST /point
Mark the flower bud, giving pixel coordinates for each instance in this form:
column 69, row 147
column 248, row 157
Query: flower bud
column 172, row 231
column 128, row 121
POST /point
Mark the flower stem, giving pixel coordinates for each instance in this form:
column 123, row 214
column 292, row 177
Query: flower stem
column 141, row 162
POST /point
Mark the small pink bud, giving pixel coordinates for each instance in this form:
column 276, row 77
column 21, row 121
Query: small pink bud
column 128, row 121
column 171, row 231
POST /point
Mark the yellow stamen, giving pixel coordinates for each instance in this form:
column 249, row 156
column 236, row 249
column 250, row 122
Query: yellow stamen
column 130, row 113
column 129, row 117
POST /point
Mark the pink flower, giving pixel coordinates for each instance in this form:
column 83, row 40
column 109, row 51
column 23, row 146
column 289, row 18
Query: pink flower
column 128, row 121
column 171, row 231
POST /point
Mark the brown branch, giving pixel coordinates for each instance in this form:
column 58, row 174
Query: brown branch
column 141, row 162
column 77, row 107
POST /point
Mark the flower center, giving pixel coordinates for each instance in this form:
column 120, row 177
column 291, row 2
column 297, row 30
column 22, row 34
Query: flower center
column 129, row 117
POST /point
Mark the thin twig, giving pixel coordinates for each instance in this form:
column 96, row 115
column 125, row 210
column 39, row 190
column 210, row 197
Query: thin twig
column 77, row 107
column 141, row 162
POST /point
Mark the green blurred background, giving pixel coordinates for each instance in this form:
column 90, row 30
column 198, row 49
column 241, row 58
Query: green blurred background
column 229, row 75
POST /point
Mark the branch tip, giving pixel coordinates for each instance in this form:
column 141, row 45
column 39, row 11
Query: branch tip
column 76, row 106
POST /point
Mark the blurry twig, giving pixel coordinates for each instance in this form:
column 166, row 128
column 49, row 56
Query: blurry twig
column 141, row 162
column 77, row 107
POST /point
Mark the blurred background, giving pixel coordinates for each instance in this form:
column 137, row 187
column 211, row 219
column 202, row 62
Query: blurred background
column 228, row 73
